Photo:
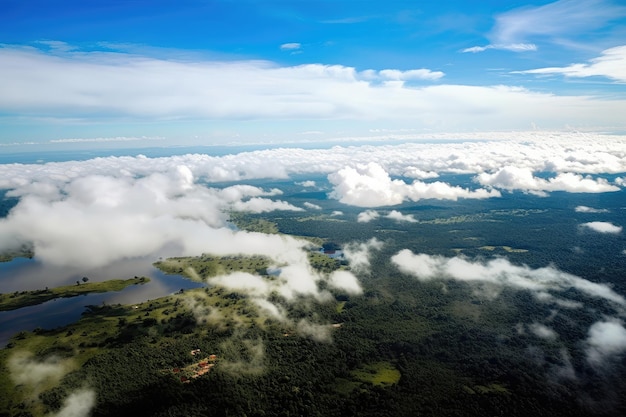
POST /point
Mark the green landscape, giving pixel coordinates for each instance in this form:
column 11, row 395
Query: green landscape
column 402, row 348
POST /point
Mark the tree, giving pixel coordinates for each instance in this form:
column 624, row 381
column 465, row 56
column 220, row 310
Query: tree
column 85, row 279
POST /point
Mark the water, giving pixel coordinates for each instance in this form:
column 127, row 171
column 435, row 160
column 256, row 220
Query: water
column 27, row 274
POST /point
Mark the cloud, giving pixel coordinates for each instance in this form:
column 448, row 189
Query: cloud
column 516, row 178
column 358, row 254
column 308, row 183
column 551, row 21
column 500, row 272
column 611, row 64
column 345, row 281
column 399, row 217
column 43, row 85
column 542, row 331
column 367, row 216
column 263, row 205
column 77, row 404
column 603, row 227
column 291, row 46
column 37, row 374
column 585, row 209
column 410, row 75
column 605, row 340
column 312, row 206
column 371, row 186
column 514, row 47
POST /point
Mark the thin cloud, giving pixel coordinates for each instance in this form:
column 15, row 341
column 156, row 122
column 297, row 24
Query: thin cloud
column 585, row 209
column 562, row 18
column 291, row 46
column 611, row 64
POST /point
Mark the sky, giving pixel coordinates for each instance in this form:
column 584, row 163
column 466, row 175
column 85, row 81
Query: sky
column 191, row 72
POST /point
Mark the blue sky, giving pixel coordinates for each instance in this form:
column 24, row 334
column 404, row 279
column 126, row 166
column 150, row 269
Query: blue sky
column 219, row 72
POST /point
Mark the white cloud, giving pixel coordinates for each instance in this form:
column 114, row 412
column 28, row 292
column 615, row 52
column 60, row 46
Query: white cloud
column 515, row 178
column 603, row 227
column 371, row 186
column 312, row 206
column 585, row 209
column 308, row 183
column 514, row 47
column 500, row 272
column 542, row 331
column 367, row 216
column 291, row 46
column 77, row 404
column 605, row 339
column 345, row 281
column 263, row 205
column 359, row 253
column 40, row 85
column 397, row 216
column 611, row 64
column 558, row 19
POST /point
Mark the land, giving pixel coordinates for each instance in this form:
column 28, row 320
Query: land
column 21, row 299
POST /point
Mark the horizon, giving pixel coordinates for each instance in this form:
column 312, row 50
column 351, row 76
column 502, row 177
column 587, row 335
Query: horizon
column 219, row 72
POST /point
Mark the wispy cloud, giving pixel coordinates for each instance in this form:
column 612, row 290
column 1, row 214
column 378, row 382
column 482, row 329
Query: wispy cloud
column 516, row 30
column 291, row 46
column 611, row 64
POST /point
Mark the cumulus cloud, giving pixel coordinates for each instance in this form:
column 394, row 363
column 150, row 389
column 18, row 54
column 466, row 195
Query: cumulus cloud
column 516, row 178
column 371, row 186
column 585, row 209
column 603, row 227
column 605, row 340
column 398, row 216
column 308, row 183
column 367, row 216
column 500, row 272
column 312, row 206
column 345, row 281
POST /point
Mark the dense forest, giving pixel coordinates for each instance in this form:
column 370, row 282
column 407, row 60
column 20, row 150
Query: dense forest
column 404, row 347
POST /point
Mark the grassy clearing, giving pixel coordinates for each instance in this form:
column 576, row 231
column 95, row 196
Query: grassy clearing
column 379, row 373
column 199, row 268
column 21, row 299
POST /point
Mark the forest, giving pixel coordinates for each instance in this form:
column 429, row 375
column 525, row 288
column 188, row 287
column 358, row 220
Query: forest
column 404, row 347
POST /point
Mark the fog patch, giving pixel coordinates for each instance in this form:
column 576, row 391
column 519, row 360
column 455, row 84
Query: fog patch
column 37, row 374
column 358, row 254
column 606, row 339
column 77, row 404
